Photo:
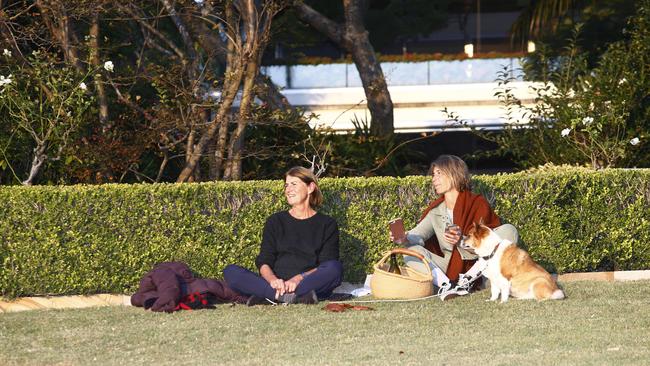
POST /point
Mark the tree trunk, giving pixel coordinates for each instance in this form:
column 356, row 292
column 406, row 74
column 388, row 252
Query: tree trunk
column 219, row 123
column 57, row 21
column 221, row 118
column 234, row 171
column 189, row 152
column 37, row 163
column 374, row 84
column 95, row 62
column 232, row 62
column 163, row 165
column 210, row 41
column 257, row 32
column 220, row 145
column 353, row 37
column 248, row 32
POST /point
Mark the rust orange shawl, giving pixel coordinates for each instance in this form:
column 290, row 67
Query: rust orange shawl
column 469, row 208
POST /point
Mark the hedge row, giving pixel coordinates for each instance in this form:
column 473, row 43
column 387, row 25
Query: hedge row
column 89, row 239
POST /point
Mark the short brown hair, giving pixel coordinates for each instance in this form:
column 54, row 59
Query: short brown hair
column 307, row 176
column 456, row 169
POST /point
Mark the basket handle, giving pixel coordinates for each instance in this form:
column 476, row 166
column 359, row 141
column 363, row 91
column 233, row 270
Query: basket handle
column 404, row 251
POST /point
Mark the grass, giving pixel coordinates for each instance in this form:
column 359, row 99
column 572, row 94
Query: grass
column 599, row 323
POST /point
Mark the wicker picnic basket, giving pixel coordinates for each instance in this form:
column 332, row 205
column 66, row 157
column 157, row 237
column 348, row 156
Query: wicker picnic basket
column 411, row 284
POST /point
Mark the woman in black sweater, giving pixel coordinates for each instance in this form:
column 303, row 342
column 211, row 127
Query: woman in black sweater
column 299, row 256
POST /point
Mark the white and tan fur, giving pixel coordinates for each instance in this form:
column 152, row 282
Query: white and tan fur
column 510, row 269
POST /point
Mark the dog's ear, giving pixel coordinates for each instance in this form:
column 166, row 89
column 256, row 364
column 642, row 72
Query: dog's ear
column 482, row 230
column 472, row 228
column 481, row 221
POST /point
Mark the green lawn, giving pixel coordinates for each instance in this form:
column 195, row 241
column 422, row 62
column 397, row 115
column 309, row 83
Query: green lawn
column 600, row 323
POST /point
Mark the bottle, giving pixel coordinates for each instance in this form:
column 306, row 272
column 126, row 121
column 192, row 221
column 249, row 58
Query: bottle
column 393, row 267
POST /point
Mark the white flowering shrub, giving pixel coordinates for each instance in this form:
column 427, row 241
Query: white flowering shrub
column 108, row 66
column 597, row 117
column 43, row 104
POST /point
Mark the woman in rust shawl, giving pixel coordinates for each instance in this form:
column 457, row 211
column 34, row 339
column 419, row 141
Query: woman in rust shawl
column 443, row 224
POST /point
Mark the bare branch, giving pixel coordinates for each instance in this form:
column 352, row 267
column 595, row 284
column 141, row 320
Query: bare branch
column 129, row 103
column 385, row 158
column 318, row 162
column 56, row 19
column 329, row 28
column 182, row 29
column 143, row 23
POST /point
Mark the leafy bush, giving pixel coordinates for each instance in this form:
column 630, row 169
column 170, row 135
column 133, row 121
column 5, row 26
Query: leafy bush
column 89, row 239
column 359, row 153
column 588, row 116
column 577, row 219
column 45, row 104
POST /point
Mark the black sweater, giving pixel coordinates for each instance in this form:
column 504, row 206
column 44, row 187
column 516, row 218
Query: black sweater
column 291, row 246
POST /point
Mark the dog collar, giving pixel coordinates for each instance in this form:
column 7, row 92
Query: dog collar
column 487, row 258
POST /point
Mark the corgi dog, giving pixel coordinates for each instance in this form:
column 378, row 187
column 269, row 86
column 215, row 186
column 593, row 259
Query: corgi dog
column 510, row 269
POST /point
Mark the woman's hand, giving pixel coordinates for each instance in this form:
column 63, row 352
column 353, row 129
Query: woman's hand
column 403, row 240
column 453, row 234
column 279, row 286
column 291, row 284
column 276, row 283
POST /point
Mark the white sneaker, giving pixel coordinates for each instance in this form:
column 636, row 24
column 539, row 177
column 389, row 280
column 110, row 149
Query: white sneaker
column 465, row 282
column 446, row 292
column 444, row 287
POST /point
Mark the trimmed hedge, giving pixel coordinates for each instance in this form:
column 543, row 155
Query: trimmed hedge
column 89, row 239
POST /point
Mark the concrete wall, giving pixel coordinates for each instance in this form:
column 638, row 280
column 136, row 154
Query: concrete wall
column 419, row 90
column 416, row 108
column 396, row 73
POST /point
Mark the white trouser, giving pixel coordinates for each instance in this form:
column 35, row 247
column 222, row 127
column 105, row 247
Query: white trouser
column 439, row 277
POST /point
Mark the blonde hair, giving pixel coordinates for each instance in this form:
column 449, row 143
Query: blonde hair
column 307, row 176
column 456, row 169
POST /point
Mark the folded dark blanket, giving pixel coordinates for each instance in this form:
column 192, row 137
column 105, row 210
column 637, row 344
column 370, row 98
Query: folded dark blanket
column 162, row 288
